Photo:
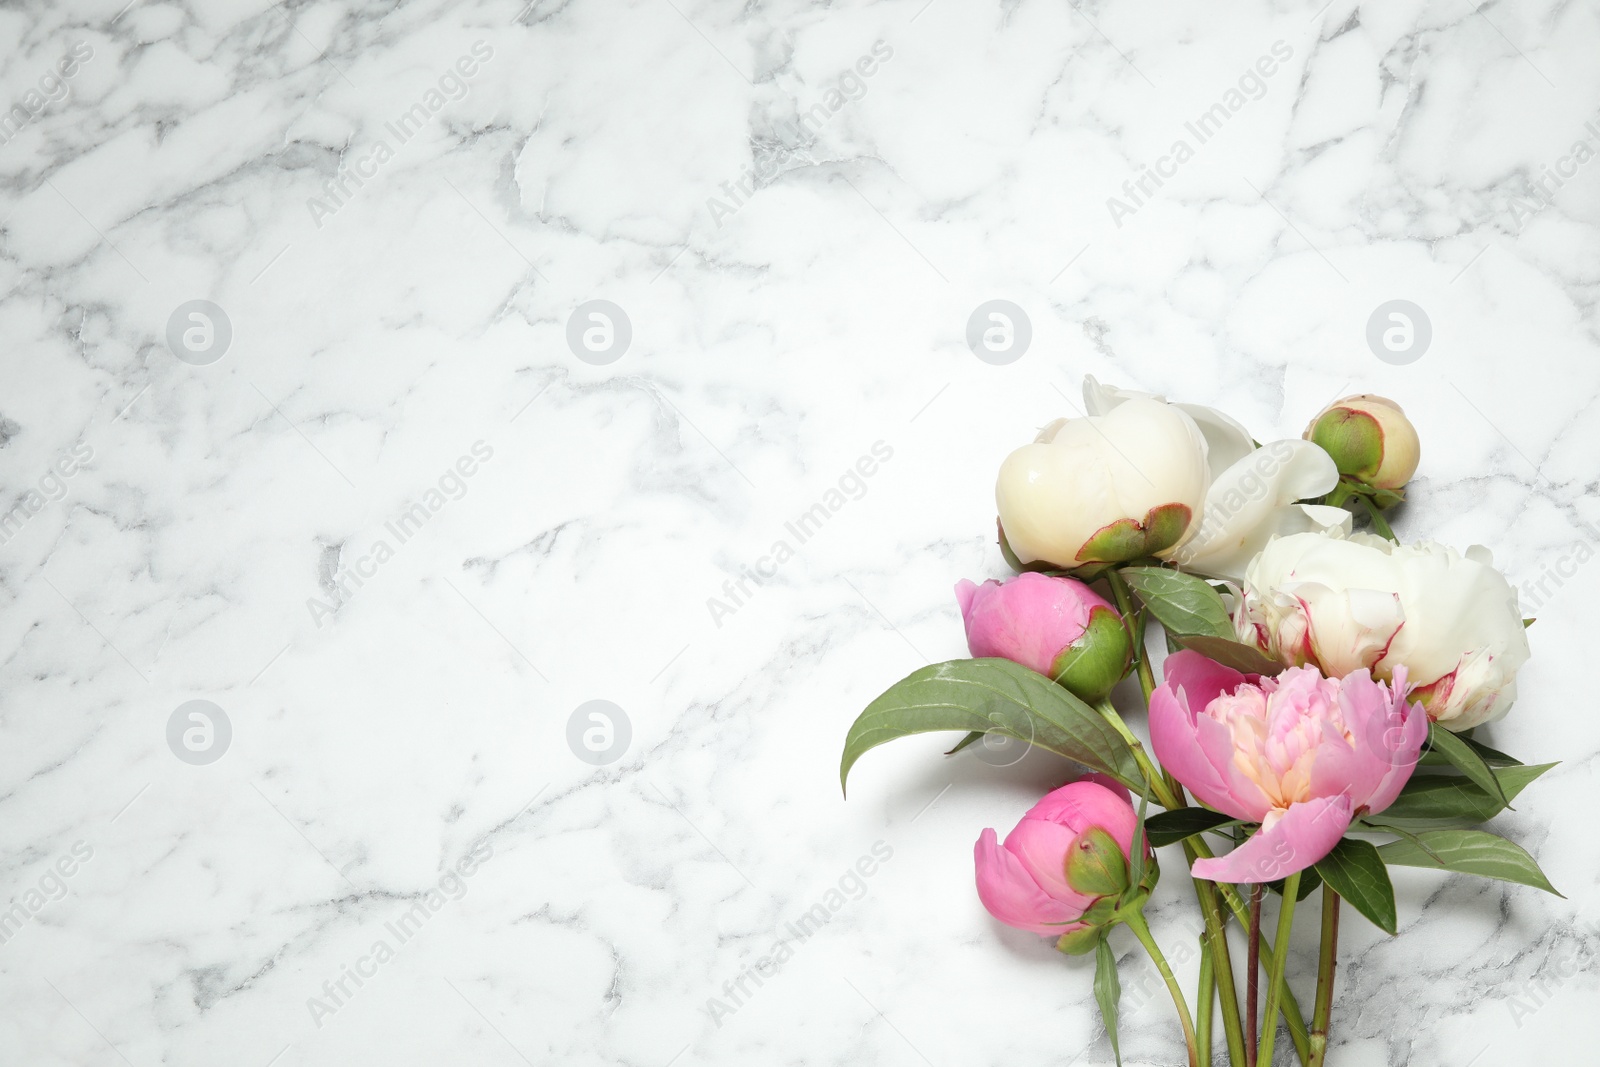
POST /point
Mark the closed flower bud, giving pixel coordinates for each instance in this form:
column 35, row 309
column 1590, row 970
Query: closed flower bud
column 1370, row 439
column 1104, row 489
column 1056, row 626
column 1025, row 883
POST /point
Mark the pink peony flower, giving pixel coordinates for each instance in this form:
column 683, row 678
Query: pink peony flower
column 1023, row 883
column 1056, row 626
column 1301, row 754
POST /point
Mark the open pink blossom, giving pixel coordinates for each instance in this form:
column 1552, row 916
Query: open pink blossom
column 1023, row 883
column 1301, row 754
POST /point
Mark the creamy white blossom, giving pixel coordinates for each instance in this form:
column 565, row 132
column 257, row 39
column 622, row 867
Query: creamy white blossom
column 1343, row 602
column 1104, row 488
column 1136, row 452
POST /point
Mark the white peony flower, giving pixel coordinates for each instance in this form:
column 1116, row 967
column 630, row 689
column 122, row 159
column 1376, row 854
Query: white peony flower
column 1142, row 477
column 1105, row 488
column 1344, row 602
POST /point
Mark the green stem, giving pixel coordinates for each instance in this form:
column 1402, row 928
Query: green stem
column 1252, row 970
column 1378, row 521
column 1217, row 939
column 1325, row 968
column 1119, row 590
column 1169, row 794
column 1291, row 1007
column 1159, row 788
column 1141, row 930
column 1280, row 959
column 1205, row 1003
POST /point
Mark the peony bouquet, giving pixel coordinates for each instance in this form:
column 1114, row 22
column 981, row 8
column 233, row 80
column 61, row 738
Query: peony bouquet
column 1310, row 726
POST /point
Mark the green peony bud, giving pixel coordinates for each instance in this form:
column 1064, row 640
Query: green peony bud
column 1370, row 440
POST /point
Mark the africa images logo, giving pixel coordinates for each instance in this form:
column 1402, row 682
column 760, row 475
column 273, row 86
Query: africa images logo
column 453, row 85
column 1252, row 85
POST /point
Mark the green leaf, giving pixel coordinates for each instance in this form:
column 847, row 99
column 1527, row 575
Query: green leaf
column 1182, row 603
column 1356, row 872
column 1493, row 757
column 1448, row 802
column 984, row 695
column 976, row 735
column 1230, row 653
column 1108, row 990
column 1465, row 760
column 1468, row 852
column 1309, row 880
column 1170, row 827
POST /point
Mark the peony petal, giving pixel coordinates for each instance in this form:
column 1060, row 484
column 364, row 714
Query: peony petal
column 1463, row 619
column 1351, row 629
column 1253, row 501
column 1341, row 767
column 1200, row 679
column 1399, row 743
column 1198, row 750
column 1093, row 800
column 1100, row 399
column 1012, row 896
column 1028, row 619
column 1227, row 441
column 1173, row 737
column 1241, row 796
column 965, row 589
column 1288, row 841
column 1382, row 746
column 1155, row 456
column 1042, row 846
column 1053, row 496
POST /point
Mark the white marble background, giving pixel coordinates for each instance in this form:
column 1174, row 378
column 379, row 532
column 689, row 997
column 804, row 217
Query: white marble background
column 373, row 345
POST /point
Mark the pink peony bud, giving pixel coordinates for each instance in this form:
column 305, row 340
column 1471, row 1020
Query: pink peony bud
column 1301, row 754
column 1025, row 882
column 1056, row 626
